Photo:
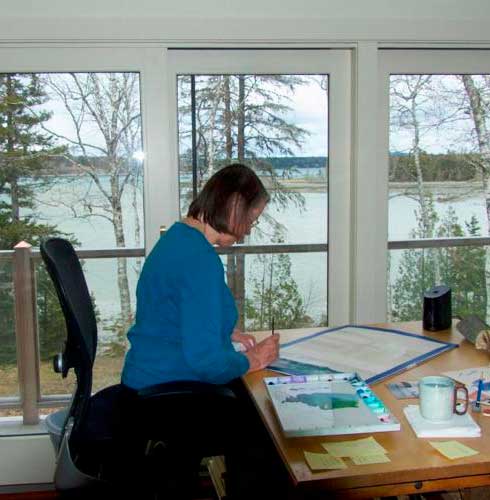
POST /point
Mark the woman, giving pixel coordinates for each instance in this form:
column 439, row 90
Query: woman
column 185, row 323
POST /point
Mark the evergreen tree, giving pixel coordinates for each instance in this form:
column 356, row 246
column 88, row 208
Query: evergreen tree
column 51, row 324
column 463, row 268
column 25, row 149
column 460, row 268
column 25, row 152
column 274, row 294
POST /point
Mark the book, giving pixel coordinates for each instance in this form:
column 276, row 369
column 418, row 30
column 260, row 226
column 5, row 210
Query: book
column 327, row 404
column 457, row 426
column 374, row 353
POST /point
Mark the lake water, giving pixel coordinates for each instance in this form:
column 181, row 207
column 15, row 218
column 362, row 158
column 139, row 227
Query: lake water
column 303, row 226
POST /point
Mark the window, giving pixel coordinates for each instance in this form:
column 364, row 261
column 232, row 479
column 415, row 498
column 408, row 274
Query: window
column 437, row 179
column 255, row 108
column 73, row 165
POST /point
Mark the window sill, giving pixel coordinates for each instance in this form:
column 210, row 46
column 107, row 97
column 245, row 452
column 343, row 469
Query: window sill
column 13, row 426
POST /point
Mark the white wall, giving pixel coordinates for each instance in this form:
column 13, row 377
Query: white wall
column 271, row 9
column 252, row 22
column 26, row 460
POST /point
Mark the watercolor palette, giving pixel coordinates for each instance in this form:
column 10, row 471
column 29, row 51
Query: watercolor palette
column 328, row 404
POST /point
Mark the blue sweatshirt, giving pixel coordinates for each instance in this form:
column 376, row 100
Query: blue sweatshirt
column 185, row 315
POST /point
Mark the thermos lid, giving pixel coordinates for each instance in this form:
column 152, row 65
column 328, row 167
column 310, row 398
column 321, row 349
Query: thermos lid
column 436, row 291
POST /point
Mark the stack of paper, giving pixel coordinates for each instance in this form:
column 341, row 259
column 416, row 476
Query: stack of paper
column 458, row 426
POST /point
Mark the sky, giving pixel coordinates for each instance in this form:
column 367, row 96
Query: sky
column 311, row 113
column 309, row 110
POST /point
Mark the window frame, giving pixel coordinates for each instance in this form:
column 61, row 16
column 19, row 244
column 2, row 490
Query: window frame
column 150, row 63
column 406, row 61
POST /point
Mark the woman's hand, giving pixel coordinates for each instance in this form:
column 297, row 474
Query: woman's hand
column 264, row 353
column 248, row 341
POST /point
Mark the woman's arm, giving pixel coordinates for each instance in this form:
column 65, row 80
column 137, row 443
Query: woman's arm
column 203, row 318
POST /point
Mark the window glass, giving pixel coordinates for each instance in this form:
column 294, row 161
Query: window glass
column 9, row 385
column 72, row 166
column 278, row 125
column 438, row 188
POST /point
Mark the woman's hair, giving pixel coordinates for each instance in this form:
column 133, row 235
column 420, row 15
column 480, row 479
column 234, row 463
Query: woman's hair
column 228, row 196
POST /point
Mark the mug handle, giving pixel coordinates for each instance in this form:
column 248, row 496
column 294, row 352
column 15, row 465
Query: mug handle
column 460, row 387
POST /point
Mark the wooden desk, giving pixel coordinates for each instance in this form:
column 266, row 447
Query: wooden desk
column 415, row 466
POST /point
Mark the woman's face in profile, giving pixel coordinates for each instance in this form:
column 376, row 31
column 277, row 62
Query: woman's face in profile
column 226, row 240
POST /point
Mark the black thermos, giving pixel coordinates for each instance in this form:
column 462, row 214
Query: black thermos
column 437, row 308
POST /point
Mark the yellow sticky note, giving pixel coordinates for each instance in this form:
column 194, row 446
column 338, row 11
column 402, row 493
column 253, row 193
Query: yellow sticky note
column 453, row 449
column 379, row 458
column 357, row 448
column 319, row 461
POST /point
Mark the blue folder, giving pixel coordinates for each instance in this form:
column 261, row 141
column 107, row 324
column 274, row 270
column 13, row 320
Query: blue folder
column 292, row 367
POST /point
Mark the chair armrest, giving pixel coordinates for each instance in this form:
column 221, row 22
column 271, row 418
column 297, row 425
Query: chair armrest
column 184, row 388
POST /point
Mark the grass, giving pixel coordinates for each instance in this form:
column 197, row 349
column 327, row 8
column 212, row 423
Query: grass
column 106, row 371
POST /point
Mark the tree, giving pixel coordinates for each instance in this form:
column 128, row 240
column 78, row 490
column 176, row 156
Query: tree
column 274, row 294
column 241, row 117
column 416, row 274
column 461, row 268
column 464, row 268
column 104, row 112
column 25, row 150
column 25, row 155
column 51, row 330
column 408, row 99
column 478, row 93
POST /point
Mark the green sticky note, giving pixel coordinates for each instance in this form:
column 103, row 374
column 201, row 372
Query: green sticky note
column 453, row 449
column 379, row 458
column 321, row 461
column 358, row 448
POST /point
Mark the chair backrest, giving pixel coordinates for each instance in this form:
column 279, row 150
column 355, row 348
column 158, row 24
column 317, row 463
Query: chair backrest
column 66, row 272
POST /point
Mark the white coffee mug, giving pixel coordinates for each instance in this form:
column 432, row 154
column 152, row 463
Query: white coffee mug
column 438, row 397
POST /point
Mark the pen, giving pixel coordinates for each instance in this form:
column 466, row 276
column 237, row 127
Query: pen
column 478, row 394
column 272, row 325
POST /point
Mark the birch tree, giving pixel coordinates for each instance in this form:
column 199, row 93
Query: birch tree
column 104, row 112
column 477, row 89
column 408, row 102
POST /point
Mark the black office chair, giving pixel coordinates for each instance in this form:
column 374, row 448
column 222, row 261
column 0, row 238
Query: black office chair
column 101, row 447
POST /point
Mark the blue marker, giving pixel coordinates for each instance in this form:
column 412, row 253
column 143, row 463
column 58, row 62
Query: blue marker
column 478, row 394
